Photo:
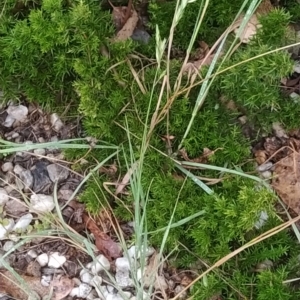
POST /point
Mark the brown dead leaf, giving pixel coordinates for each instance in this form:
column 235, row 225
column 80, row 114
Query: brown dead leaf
column 253, row 24
column 62, row 287
column 286, row 181
column 126, row 179
column 121, row 14
column 128, row 28
column 104, row 243
column 260, row 156
column 249, row 30
column 9, row 285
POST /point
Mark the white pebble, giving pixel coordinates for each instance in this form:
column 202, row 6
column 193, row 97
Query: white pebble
column 266, row 174
column 23, row 222
column 135, row 253
column 32, row 253
column 84, row 290
column 18, row 169
column 46, row 280
column 101, row 291
column 43, row 259
column 3, row 196
column 7, row 167
column 85, row 276
column 101, row 263
column 41, row 203
column 96, row 281
column 8, row 245
column 18, row 112
column 9, row 121
column 122, row 264
column 56, row 122
column 123, row 279
column 265, row 167
column 56, row 260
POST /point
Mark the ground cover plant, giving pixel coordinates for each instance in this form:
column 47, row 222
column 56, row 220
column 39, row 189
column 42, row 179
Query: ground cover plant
column 138, row 98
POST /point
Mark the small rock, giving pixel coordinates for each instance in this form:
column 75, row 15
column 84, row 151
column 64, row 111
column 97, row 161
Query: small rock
column 40, row 151
column 179, row 289
column 86, row 276
column 7, row 167
column 141, row 35
column 27, row 179
column 266, row 174
column 9, row 121
column 101, row 291
column 18, row 169
column 295, row 97
column 123, row 280
column 264, row 167
column 6, row 228
column 57, row 172
column 114, row 297
column 262, row 220
column 82, row 291
column 64, row 194
column 3, row 196
column 41, row 203
column 46, row 280
column 56, row 260
column 23, row 222
column 8, row 245
column 92, row 295
column 134, row 252
column 43, row 259
column 56, row 122
column 15, row 135
column 297, row 67
column 101, row 263
column 122, row 264
column 32, row 253
column 41, row 180
column 96, row 281
column 15, row 207
column 18, row 112
column 279, row 131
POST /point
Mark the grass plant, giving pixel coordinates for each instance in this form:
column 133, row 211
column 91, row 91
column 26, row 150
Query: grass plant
column 148, row 113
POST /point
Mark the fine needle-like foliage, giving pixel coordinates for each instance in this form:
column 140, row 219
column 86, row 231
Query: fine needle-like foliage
column 139, row 101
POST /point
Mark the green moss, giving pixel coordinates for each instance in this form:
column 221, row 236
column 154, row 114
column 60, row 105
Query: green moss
column 58, row 49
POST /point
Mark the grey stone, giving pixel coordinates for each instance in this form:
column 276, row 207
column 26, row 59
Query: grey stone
column 18, row 112
column 23, row 222
column 7, row 167
column 3, row 196
column 8, row 245
column 9, row 121
column 57, row 172
column 27, row 179
column 41, row 203
column 41, row 180
column 56, row 122
column 15, row 207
